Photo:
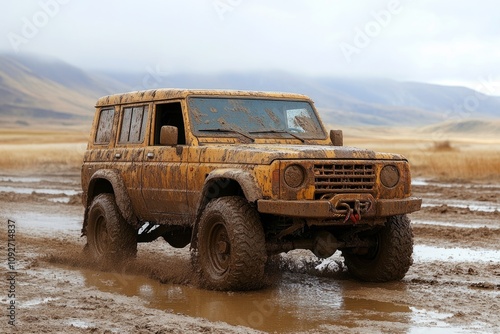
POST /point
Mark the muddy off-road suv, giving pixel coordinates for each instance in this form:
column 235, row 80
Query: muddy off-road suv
column 240, row 176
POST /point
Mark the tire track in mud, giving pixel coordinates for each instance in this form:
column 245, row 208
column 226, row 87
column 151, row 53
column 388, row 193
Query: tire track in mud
column 484, row 237
column 174, row 268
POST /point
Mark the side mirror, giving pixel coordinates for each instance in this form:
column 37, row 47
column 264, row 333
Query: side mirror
column 169, row 135
column 337, row 137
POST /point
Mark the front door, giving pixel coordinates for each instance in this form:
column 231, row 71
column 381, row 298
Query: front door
column 164, row 171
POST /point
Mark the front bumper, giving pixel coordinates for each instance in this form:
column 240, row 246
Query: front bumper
column 330, row 209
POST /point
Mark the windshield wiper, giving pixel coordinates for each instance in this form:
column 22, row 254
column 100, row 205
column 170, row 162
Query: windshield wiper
column 228, row 130
column 280, row 131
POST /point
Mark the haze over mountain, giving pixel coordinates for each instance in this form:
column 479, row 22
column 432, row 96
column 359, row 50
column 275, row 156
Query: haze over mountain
column 42, row 90
column 36, row 90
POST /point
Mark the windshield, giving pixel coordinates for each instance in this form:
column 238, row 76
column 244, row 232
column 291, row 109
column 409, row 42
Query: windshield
column 254, row 118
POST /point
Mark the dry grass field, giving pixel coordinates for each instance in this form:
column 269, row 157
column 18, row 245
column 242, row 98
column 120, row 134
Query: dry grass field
column 436, row 156
column 430, row 157
column 42, row 151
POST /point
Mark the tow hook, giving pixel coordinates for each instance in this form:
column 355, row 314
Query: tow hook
column 354, row 214
column 352, row 206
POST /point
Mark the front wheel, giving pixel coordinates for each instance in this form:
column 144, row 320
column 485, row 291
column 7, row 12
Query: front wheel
column 390, row 257
column 231, row 250
column 109, row 237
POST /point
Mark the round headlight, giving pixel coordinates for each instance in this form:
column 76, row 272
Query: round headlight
column 389, row 176
column 294, row 176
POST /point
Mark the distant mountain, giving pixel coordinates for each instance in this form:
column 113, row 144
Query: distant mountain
column 469, row 127
column 36, row 90
column 346, row 101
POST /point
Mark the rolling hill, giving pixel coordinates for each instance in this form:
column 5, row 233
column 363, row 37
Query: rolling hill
column 466, row 127
column 41, row 91
column 36, row 90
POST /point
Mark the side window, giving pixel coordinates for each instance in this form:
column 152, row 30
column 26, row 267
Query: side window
column 105, row 126
column 170, row 114
column 134, row 124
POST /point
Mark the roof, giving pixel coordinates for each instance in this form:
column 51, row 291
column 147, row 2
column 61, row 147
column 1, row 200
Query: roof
column 174, row 93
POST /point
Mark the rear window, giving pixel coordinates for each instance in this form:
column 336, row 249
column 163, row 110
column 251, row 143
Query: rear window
column 105, row 126
column 134, row 122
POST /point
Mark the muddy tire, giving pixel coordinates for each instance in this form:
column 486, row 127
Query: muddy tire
column 390, row 258
column 231, row 252
column 109, row 237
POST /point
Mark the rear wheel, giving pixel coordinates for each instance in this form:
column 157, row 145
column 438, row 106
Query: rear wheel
column 390, row 257
column 109, row 237
column 231, row 250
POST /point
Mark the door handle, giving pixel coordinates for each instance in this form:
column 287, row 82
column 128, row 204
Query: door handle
column 150, row 155
column 118, row 155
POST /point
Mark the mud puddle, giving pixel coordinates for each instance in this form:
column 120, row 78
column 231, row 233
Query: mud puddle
column 299, row 302
column 46, row 191
column 476, row 197
column 51, row 223
column 463, row 204
column 470, row 225
column 55, row 189
column 426, row 182
column 69, row 179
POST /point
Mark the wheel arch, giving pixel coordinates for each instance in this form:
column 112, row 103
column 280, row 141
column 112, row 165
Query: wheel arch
column 109, row 181
column 225, row 182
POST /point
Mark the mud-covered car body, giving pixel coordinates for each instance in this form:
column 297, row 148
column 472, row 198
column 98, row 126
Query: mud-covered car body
column 165, row 154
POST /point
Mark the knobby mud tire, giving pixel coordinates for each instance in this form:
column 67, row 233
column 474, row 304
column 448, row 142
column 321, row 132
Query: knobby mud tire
column 109, row 237
column 231, row 252
column 390, row 259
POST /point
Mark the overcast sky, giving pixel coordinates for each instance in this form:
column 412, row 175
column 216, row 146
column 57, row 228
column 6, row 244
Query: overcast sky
column 440, row 41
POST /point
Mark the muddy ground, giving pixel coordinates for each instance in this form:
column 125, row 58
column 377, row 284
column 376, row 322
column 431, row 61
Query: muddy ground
column 453, row 285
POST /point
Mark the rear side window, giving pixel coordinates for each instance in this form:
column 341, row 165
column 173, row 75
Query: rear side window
column 134, row 124
column 105, row 127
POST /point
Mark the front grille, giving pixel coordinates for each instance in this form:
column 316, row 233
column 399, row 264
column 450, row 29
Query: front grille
column 341, row 178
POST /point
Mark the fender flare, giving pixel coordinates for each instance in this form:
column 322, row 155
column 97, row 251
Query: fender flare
column 122, row 198
column 220, row 178
column 244, row 178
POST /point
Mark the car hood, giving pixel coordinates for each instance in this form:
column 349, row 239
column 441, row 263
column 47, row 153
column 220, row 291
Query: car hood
column 267, row 153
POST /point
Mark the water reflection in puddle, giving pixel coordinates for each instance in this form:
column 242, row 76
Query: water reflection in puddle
column 20, row 179
column 463, row 204
column 37, row 179
column 424, row 253
column 424, row 182
column 45, row 191
column 297, row 303
column 80, row 324
column 36, row 302
column 48, row 223
column 448, row 223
